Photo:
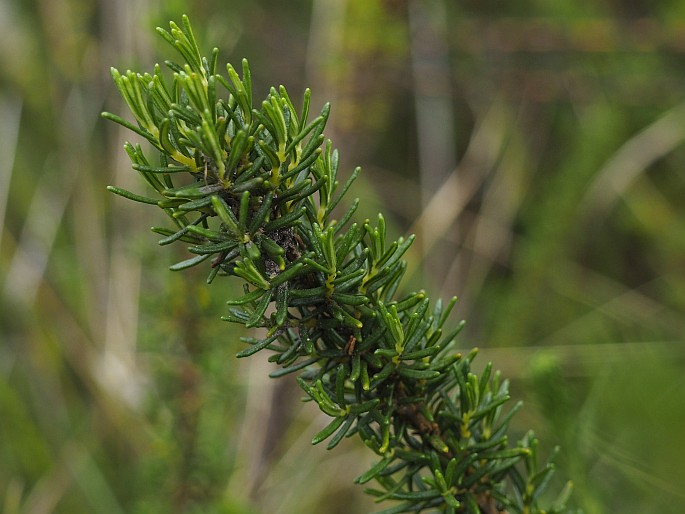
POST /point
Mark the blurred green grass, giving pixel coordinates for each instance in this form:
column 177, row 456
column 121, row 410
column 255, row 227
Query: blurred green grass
column 537, row 150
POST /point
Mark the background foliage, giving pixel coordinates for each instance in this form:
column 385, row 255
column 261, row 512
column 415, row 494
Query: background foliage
column 537, row 151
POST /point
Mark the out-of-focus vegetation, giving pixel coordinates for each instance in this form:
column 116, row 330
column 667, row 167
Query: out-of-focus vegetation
column 537, row 150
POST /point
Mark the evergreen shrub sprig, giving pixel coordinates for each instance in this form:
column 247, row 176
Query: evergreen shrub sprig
column 259, row 206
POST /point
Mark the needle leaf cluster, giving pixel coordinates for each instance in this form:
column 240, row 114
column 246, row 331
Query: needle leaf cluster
column 252, row 190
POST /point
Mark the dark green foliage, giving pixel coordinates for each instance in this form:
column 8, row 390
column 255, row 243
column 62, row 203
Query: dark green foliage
column 323, row 292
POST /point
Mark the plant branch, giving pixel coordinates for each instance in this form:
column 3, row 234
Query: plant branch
column 323, row 293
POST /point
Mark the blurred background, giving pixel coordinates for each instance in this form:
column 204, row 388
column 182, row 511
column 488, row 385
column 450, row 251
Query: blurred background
column 535, row 148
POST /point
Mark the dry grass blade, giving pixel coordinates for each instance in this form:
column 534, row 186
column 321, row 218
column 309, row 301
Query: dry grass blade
column 448, row 202
column 633, row 158
column 10, row 112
